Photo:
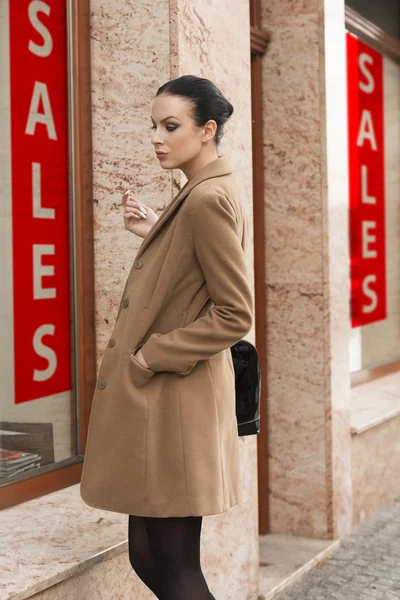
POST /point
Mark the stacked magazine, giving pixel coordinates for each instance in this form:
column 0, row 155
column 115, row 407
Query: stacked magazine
column 16, row 461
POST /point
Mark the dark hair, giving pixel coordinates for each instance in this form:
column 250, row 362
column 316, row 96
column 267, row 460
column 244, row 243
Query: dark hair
column 207, row 100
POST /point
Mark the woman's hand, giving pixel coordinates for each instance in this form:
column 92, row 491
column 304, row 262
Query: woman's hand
column 141, row 359
column 138, row 218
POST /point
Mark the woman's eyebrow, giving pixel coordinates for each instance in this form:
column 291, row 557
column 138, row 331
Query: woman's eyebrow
column 166, row 119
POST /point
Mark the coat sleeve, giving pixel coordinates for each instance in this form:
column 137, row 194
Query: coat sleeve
column 218, row 248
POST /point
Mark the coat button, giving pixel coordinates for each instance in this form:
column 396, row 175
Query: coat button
column 101, row 384
column 111, row 343
column 125, row 303
column 138, row 264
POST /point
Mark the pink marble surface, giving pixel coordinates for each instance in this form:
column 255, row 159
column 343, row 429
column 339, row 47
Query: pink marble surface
column 305, row 146
column 64, row 537
column 375, row 402
column 375, row 469
column 109, row 579
column 130, row 60
column 73, row 551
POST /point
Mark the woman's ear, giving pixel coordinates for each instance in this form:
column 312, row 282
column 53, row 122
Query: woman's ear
column 210, row 129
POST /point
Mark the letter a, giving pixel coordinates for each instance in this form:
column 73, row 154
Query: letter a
column 366, row 130
column 40, row 93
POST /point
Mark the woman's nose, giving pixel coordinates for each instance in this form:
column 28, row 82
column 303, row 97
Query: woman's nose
column 157, row 138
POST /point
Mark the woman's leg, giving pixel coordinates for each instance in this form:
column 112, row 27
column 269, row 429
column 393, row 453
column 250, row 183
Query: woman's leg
column 175, row 543
column 141, row 556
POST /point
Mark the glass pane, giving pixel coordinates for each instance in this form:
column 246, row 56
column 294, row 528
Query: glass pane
column 374, row 158
column 37, row 406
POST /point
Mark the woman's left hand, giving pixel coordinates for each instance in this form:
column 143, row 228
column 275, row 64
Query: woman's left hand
column 138, row 218
column 141, row 359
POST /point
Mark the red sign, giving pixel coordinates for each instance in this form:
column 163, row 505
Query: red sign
column 40, row 198
column 367, row 184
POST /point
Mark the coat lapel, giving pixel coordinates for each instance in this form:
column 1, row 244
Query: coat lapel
column 215, row 168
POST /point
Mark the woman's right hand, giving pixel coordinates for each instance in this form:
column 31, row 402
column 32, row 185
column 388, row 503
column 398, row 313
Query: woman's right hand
column 138, row 218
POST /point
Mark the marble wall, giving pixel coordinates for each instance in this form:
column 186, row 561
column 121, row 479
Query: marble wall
column 306, row 269
column 135, row 49
column 130, row 59
column 110, row 579
column 375, row 468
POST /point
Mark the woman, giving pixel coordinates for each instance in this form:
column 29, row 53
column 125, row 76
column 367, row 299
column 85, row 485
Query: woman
column 162, row 442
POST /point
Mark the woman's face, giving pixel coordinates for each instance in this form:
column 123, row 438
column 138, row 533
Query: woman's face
column 176, row 134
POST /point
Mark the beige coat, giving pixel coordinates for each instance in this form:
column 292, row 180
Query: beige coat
column 163, row 440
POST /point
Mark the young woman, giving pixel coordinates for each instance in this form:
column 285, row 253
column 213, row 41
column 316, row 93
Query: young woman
column 162, row 443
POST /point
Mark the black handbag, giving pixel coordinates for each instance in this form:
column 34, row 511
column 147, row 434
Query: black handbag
column 246, row 364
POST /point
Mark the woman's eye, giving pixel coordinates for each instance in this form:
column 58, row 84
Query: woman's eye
column 170, row 128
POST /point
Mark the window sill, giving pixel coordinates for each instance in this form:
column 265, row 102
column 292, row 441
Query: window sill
column 49, row 539
column 374, row 403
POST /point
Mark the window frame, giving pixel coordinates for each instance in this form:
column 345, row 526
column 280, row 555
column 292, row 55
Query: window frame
column 259, row 42
column 84, row 367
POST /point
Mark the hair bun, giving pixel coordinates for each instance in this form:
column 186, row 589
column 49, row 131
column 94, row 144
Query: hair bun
column 229, row 109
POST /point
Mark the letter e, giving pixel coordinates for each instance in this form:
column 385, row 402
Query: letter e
column 40, row 271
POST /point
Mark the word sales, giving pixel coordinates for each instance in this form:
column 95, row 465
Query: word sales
column 40, row 197
column 366, row 181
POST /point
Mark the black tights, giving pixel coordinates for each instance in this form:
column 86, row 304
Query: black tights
column 165, row 553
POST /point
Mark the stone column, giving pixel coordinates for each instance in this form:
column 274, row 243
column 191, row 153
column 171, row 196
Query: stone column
column 306, row 270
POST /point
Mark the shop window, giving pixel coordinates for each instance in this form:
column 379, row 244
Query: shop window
column 374, row 180
column 373, row 69
column 44, row 185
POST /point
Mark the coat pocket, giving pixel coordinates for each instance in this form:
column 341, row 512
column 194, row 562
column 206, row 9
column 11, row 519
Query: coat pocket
column 141, row 374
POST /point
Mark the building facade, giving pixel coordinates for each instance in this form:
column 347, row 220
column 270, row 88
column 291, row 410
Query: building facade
column 314, row 144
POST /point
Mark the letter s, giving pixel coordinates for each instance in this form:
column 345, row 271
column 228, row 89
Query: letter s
column 45, row 352
column 370, row 293
column 369, row 87
column 44, row 50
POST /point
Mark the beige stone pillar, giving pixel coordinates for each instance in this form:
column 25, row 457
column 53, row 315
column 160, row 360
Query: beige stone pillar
column 306, row 270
